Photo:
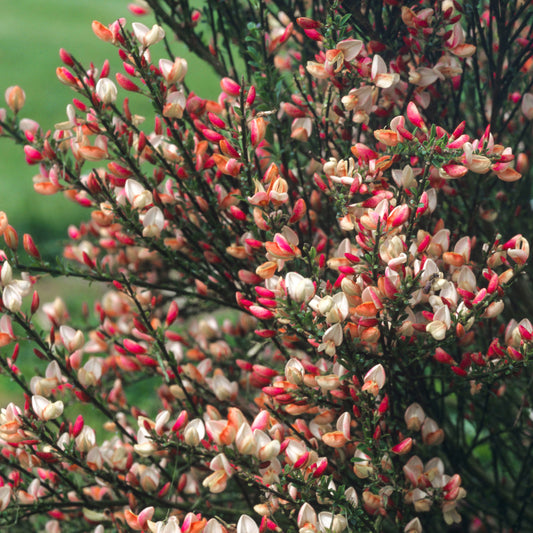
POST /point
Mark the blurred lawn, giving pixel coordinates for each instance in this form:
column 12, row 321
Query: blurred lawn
column 31, row 34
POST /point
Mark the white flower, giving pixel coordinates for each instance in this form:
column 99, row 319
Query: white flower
column 153, row 222
column 106, row 90
column 14, row 289
column 146, row 36
column 45, row 409
column 246, row 525
column 173, row 71
column 136, row 194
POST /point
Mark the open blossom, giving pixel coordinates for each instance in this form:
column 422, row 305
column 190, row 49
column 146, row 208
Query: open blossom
column 13, row 290
column 380, row 75
column 300, row 289
column 137, row 195
column 334, row 308
column 222, row 471
column 332, row 338
column 173, row 71
column 11, row 424
column 456, row 42
column 148, row 36
column 45, row 409
column 374, row 379
column 72, row 339
column 153, row 222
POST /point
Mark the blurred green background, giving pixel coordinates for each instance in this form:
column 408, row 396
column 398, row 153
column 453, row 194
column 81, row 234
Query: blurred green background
column 31, row 34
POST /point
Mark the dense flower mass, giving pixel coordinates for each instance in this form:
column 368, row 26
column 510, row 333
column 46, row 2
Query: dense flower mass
column 306, row 316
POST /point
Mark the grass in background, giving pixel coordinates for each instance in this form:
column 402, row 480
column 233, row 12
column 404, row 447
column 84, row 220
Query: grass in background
column 31, row 34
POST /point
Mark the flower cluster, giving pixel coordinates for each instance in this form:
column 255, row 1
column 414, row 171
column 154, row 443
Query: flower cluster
column 304, row 323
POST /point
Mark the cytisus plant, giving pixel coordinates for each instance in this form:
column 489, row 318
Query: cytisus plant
column 312, row 312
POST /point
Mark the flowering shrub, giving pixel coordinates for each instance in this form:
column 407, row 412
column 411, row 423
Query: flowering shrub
column 305, row 275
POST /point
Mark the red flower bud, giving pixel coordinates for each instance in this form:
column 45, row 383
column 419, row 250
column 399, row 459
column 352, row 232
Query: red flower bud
column 126, row 83
column 307, row 23
column 30, row 247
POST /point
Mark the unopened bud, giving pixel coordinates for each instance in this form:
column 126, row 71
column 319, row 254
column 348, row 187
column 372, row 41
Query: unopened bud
column 3, row 222
column 35, row 302
column 66, row 57
column 230, row 87
column 15, row 98
column 11, row 237
column 29, row 246
column 66, row 77
column 257, row 130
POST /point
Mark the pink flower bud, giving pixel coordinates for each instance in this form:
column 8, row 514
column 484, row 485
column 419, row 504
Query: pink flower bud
column 453, row 170
column 216, row 120
column 78, row 426
column 66, row 77
column 458, row 131
column 257, row 131
column 33, row 156
column 250, row 98
column 415, row 117
column 230, row 87
column 138, row 10
column 398, row 216
column 134, row 347
column 34, row 302
column 66, row 57
column 261, row 312
column 312, row 33
column 172, row 313
column 307, row 23
column 30, row 247
column 403, row 447
column 126, row 83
